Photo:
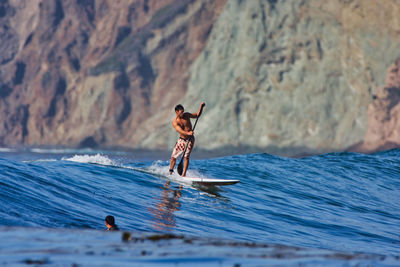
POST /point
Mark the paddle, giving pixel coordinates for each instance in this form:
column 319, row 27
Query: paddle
column 180, row 165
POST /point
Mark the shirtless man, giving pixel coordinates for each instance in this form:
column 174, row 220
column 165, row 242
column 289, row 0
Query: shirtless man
column 183, row 126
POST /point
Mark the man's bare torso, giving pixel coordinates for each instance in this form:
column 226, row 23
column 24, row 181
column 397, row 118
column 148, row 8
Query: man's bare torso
column 184, row 123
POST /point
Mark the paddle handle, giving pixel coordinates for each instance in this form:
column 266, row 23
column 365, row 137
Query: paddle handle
column 195, row 123
column 187, row 143
column 180, row 165
column 202, row 106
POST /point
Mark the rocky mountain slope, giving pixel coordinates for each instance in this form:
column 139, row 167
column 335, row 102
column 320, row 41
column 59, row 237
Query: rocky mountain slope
column 384, row 115
column 278, row 76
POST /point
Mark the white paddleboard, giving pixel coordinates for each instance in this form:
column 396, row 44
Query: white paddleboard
column 208, row 181
column 192, row 180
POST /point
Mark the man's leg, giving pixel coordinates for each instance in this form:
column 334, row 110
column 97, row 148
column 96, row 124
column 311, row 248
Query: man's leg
column 187, row 155
column 172, row 165
column 185, row 166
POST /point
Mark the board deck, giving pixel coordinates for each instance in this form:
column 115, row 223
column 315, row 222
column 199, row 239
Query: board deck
column 192, row 180
column 209, row 181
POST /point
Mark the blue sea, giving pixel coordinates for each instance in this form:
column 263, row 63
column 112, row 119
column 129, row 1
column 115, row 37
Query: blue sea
column 338, row 209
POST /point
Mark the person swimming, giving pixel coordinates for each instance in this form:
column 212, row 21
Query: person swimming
column 110, row 223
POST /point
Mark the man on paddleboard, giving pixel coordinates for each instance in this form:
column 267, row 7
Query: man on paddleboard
column 183, row 126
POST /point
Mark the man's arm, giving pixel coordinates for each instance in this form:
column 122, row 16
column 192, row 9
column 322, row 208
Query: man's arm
column 180, row 130
column 198, row 114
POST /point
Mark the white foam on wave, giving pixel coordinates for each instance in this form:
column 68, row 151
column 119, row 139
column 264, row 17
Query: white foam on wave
column 60, row 151
column 96, row 159
column 39, row 160
column 162, row 168
column 5, row 149
column 159, row 167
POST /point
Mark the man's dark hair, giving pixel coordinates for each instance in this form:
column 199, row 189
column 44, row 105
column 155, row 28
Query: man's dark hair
column 179, row 107
column 110, row 220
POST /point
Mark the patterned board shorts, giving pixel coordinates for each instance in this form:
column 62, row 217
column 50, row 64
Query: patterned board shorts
column 180, row 146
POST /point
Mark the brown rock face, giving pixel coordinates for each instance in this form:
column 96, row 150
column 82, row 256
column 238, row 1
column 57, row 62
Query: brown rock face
column 93, row 72
column 384, row 115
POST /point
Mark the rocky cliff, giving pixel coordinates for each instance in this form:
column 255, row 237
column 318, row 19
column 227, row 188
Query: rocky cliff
column 303, row 76
column 99, row 72
column 279, row 76
column 384, row 115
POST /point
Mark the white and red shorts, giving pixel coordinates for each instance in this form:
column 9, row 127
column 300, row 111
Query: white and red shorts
column 180, row 146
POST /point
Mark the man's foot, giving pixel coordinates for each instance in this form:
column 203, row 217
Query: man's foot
column 171, row 171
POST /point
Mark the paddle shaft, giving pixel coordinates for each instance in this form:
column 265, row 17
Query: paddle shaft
column 180, row 165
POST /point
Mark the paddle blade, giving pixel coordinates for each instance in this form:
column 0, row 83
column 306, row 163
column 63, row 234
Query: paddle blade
column 180, row 167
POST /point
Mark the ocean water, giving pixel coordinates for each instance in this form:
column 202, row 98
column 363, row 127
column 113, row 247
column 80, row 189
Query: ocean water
column 338, row 209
